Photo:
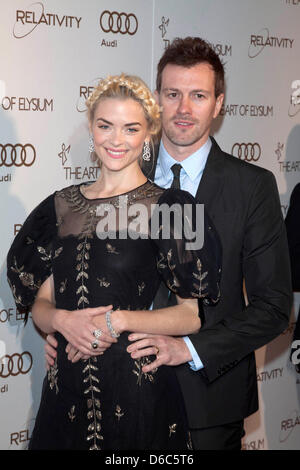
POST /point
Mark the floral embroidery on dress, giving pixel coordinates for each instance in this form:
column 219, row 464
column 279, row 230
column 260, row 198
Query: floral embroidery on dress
column 103, row 282
column 27, row 279
column 52, row 376
column 18, row 298
column 161, row 262
column 139, row 364
column 57, row 252
column 141, row 287
column 83, row 257
column 63, row 286
column 71, row 413
column 42, row 251
column 175, row 283
column 93, row 404
column 172, row 429
column 200, row 287
column 111, row 249
column 118, row 412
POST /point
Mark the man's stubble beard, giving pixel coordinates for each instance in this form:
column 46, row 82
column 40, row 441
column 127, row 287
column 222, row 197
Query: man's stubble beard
column 183, row 140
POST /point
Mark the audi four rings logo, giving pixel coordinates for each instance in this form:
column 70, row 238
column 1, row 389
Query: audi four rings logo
column 17, row 155
column 249, row 152
column 114, row 22
column 15, row 364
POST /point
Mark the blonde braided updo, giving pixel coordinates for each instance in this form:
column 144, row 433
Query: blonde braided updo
column 123, row 87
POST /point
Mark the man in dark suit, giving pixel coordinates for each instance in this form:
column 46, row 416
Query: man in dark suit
column 292, row 222
column 216, row 367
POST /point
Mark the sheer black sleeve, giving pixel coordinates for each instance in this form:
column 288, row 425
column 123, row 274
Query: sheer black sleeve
column 29, row 257
column 189, row 253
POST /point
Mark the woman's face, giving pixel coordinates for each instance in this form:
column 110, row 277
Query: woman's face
column 119, row 130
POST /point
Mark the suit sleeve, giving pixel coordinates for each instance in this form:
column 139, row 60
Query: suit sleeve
column 292, row 223
column 266, row 271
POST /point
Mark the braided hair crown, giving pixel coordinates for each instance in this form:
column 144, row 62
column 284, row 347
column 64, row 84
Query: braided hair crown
column 123, row 87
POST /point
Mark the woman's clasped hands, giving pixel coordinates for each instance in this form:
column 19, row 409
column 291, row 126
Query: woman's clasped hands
column 85, row 330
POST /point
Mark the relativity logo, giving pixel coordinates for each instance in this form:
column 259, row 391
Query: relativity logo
column 263, row 39
column 28, row 20
column 288, row 425
column 84, row 92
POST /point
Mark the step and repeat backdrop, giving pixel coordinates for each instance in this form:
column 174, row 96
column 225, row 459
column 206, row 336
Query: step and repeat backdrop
column 52, row 53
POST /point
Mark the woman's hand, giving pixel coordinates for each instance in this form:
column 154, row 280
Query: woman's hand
column 77, row 327
column 50, row 350
column 116, row 320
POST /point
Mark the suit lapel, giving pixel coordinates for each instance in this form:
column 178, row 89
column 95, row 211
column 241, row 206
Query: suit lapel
column 212, row 181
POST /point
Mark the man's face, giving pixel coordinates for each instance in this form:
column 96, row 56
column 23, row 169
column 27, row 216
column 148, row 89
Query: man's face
column 189, row 105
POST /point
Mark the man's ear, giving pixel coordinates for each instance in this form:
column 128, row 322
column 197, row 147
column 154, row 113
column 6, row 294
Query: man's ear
column 218, row 106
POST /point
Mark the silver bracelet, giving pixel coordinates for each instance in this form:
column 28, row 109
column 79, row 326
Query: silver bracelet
column 113, row 333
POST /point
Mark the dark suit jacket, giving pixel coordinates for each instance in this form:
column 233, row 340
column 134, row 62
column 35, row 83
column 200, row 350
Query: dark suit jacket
column 292, row 222
column 242, row 200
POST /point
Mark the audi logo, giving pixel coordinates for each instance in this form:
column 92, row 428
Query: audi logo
column 249, row 152
column 15, row 364
column 114, row 22
column 17, row 155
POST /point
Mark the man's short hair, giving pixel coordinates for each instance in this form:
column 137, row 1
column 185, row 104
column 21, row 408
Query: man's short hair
column 188, row 52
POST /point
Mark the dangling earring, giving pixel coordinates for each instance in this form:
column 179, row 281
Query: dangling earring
column 146, row 152
column 91, row 144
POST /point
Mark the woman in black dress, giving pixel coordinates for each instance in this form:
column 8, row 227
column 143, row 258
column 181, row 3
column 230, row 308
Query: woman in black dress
column 88, row 262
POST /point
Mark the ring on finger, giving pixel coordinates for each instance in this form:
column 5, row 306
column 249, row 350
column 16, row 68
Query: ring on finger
column 94, row 344
column 157, row 350
column 97, row 333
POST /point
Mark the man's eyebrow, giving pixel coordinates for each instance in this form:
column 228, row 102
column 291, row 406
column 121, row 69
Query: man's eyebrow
column 197, row 90
column 170, row 89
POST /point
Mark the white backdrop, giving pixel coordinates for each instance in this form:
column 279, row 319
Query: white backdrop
column 51, row 54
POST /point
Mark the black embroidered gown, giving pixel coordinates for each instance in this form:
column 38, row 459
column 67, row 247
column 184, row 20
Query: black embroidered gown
column 108, row 403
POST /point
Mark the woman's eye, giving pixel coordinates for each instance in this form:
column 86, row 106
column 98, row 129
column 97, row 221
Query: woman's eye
column 103, row 126
column 132, row 130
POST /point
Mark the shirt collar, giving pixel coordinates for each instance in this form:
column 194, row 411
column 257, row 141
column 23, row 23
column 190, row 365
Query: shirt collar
column 192, row 165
